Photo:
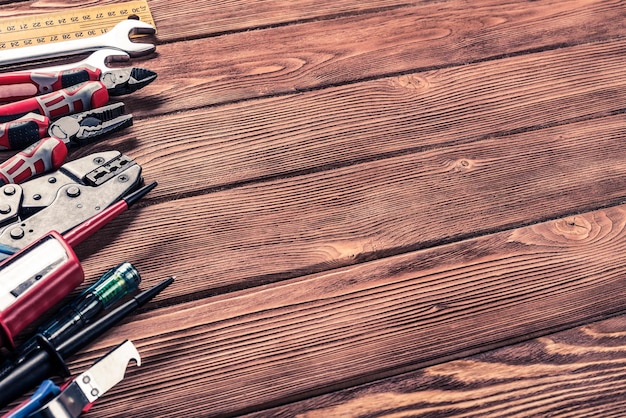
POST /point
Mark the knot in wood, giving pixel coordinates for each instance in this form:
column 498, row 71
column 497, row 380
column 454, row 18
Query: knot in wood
column 412, row 82
column 575, row 228
column 463, row 165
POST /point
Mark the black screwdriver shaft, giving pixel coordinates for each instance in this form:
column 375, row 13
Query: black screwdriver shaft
column 51, row 361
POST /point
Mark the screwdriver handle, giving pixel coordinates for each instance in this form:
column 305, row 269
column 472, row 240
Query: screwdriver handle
column 22, row 85
column 43, row 156
column 24, row 131
column 84, row 96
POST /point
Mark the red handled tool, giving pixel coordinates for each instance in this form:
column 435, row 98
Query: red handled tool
column 23, row 85
column 75, row 98
column 49, row 152
column 41, row 274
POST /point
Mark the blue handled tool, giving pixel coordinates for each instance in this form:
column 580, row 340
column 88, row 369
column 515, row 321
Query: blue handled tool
column 77, row 395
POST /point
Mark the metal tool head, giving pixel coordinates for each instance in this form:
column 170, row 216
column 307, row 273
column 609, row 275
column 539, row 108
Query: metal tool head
column 127, row 80
column 98, row 59
column 82, row 128
column 119, row 37
column 108, row 370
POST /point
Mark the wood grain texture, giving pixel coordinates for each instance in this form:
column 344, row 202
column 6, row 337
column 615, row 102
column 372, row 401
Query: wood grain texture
column 177, row 19
column 326, row 219
column 273, row 61
column 202, row 150
column 575, row 373
column 288, row 341
column 350, row 191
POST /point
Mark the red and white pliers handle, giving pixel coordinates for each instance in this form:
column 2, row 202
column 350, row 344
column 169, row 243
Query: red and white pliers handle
column 25, row 84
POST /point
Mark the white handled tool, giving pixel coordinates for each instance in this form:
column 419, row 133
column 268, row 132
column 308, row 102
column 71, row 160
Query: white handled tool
column 117, row 38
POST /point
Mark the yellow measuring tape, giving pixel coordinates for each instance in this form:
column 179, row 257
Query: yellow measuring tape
column 22, row 31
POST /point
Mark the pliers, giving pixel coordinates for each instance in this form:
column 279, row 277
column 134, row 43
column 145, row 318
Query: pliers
column 48, row 150
column 76, row 396
column 71, row 91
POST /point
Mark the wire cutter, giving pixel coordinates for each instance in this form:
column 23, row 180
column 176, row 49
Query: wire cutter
column 48, row 149
column 78, row 395
column 71, row 90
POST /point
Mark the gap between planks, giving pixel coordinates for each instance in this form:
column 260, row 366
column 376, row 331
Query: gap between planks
column 278, row 343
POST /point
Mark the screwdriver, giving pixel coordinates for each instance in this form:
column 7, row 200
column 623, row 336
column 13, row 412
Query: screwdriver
column 111, row 287
column 51, row 362
column 41, row 274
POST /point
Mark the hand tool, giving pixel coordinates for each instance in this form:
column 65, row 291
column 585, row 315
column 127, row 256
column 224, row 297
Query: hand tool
column 63, row 199
column 49, row 152
column 78, row 394
column 17, row 86
column 48, row 363
column 76, row 22
column 118, row 37
column 110, row 288
column 97, row 59
column 80, row 97
column 34, row 279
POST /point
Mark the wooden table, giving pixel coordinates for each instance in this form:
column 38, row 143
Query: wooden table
column 375, row 208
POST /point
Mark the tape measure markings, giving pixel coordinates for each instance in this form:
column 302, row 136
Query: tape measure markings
column 64, row 26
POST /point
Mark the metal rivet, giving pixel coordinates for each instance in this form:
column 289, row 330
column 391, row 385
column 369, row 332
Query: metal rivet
column 17, row 233
column 9, row 190
column 73, row 191
column 52, row 180
column 5, row 208
column 37, row 197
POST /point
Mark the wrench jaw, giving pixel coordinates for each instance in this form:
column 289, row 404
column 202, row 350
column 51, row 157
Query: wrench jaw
column 99, row 59
column 121, row 34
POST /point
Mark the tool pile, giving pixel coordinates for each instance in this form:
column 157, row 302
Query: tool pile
column 48, row 206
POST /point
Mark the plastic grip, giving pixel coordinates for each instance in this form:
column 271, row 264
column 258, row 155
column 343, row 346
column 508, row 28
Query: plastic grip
column 35, row 279
column 85, row 96
column 23, row 132
column 22, row 85
column 45, row 155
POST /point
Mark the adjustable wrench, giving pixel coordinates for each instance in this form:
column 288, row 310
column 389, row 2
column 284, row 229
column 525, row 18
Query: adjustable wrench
column 118, row 37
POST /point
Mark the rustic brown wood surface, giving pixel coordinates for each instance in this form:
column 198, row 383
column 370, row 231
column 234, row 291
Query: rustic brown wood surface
column 374, row 208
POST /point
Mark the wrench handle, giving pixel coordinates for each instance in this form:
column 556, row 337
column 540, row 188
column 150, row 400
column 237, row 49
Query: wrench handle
column 45, row 155
column 23, row 132
column 22, row 85
column 85, row 96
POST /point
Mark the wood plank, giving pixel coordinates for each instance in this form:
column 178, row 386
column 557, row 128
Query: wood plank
column 270, row 62
column 177, row 19
column 576, row 373
column 326, row 219
column 180, row 20
column 275, row 344
column 198, row 151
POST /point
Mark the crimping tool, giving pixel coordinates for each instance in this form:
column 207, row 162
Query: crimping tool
column 63, row 199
